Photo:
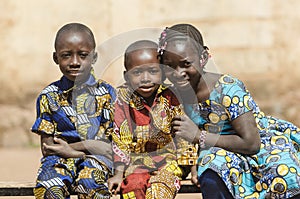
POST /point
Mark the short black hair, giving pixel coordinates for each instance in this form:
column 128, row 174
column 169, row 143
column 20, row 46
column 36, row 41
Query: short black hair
column 138, row 45
column 75, row 27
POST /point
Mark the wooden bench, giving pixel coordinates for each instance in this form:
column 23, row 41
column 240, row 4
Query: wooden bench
column 26, row 189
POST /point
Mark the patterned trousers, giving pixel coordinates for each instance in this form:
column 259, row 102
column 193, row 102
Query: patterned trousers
column 58, row 176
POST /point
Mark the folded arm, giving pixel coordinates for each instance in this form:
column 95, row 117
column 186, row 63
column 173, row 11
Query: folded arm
column 55, row 146
column 246, row 139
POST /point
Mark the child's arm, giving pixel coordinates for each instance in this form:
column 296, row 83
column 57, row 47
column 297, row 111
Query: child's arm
column 48, row 140
column 246, row 134
column 57, row 146
column 93, row 147
column 60, row 148
column 194, row 175
column 114, row 183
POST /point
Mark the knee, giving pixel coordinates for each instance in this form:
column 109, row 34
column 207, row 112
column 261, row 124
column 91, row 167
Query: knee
column 54, row 192
column 209, row 178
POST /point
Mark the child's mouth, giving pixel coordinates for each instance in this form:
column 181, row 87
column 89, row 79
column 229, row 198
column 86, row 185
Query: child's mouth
column 182, row 82
column 74, row 72
column 146, row 88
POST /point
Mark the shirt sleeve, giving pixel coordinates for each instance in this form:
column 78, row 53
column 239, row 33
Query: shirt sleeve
column 44, row 122
column 121, row 135
column 186, row 152
column 236, row 98
column 106, row 107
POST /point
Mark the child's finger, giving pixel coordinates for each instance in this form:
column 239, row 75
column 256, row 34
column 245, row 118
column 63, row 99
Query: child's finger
column 60, row 141
column 176, row 122
column 45, row 146
column 57, row 140
column 177, row 118
column 47, row 149
column 175, row 128
column 110, row 185
column 118, row 189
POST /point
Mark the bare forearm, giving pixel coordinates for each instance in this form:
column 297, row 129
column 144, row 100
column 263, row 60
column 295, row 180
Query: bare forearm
column 232, row 143
column 119, row 169
column 55, row 146
column 94, row 147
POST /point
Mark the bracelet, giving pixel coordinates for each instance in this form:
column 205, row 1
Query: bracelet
column 202, row 139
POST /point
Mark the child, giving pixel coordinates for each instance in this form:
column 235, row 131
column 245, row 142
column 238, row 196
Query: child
column 75, row 120
column 244, row 153
column 143, row 145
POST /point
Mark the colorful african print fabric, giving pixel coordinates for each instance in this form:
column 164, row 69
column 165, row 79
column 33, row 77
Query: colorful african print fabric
column 142, row 140
column 274, row 171
column 75, row 113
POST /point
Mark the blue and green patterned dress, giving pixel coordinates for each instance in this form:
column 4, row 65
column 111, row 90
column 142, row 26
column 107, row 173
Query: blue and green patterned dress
column 274, row 170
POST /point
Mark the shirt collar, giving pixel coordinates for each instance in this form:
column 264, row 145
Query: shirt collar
column 128, row 95
column 66, row 84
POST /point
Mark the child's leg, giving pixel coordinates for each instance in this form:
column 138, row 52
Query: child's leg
column 135, row 185
column 53, row 179
column 91, row 180
column 163, row 185
column 210, row 179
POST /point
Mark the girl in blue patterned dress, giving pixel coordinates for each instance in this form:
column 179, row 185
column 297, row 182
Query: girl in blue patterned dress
column 243, row 152
column 75, row 121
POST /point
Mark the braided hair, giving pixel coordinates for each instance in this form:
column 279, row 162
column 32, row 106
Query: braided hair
column 184, row 32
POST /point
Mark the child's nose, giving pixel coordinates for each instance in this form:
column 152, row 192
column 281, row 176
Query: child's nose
column 180, row 72
column 75, row 61
column 145, row 77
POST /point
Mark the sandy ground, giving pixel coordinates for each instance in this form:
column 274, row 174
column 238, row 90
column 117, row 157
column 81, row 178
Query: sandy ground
column 20, row 165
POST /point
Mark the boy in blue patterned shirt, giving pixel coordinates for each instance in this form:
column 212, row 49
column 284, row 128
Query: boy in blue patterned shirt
column 74, row 121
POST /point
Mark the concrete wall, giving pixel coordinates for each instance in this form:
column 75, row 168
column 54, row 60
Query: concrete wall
column 254, row 39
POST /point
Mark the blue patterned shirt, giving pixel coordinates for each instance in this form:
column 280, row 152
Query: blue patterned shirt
column 76, row 112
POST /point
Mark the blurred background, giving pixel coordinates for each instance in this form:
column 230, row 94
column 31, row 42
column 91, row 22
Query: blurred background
column 255, row 40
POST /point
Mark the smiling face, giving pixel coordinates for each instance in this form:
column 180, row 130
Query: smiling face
column 182, row 64
column 143, row 73
column 75, row 55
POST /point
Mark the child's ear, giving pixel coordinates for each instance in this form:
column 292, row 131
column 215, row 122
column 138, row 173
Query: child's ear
column 125, row 76
column 204, row 56
column 95, row 57
column 54, row 56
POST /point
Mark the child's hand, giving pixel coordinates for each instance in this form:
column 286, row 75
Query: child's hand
column 114, row 183
column 184, row 127
column 194, row 176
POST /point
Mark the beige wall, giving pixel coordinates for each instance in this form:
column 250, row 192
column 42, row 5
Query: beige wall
column 249, row 38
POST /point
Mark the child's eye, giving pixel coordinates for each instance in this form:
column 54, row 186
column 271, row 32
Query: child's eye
column 136, row 72
column 83, row 55
column 188, row 63
column 65, row 55
column 154, row 71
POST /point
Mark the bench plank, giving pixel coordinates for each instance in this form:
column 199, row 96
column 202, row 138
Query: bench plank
column 26, row 189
